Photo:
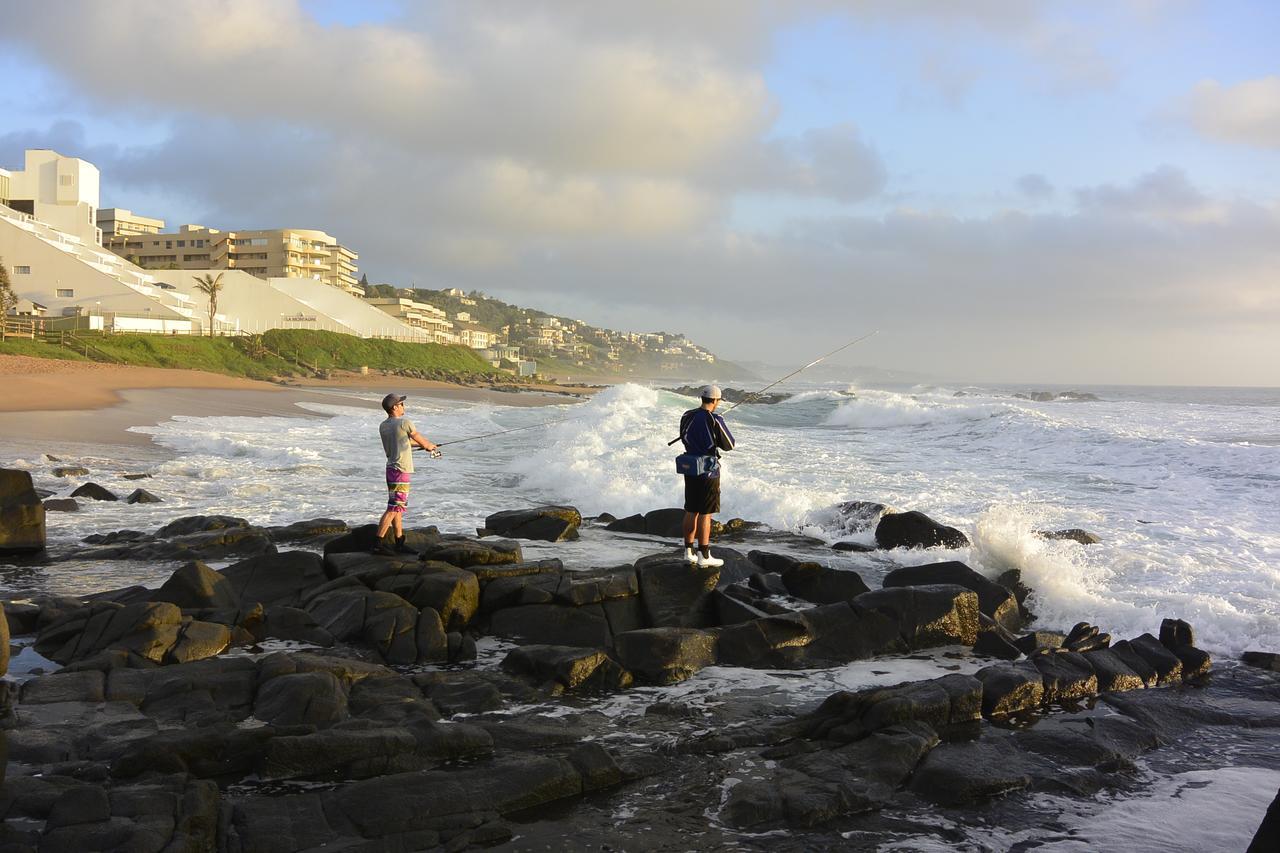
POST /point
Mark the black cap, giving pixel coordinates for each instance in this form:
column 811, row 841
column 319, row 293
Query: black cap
column 389, row 401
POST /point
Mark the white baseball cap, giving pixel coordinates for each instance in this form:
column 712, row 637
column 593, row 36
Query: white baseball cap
column 710, row 392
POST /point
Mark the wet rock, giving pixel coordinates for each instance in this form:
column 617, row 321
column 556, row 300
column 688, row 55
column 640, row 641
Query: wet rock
column 362, row 539
column 304, row 698
column 821, row 584
column 21, row 514
column 569, row 667
column 190, row 524
column 346, row 753
column 729, row 610
column 87, row 686
column 1175, row 633
column 275, row 579
column 198, row 640
column 958, row 773
column 142, row 496
column 1011, row 580
column 4, row 660
column 1009, row 688
column 916, row 530
column 71, row 471
column 453, row 593
column 1029, row 643
column 1262, row 660
column 1074, row 534
column 136, row 476
column 219, row 751
column 459, row 692
column 1107, row 742
column 315, row 531
column 492, row 572
column 768, row 583
column 665, row 655
column 94, row 492
column 385, row 621
column 927, row 616
column 947, row 704
column 61, row 505
column 81, row 804
column 774, row 641
column 1136, row 662
column 1196, row 663
column 673, row 592
column 467, row 553
column 848, row 631
column 149, row 629
column 854, row 547
column 815, row 788
column 196, row 586
column 1112, row 672
column 1267, row 836
column 994, row 641
column 1067, row 676
column 546, row 523
column 1166, row 664
column 554, row 624
column 23, row 617
column 993, row 599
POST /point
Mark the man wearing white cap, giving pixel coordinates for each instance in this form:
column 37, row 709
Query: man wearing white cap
column 704, row 434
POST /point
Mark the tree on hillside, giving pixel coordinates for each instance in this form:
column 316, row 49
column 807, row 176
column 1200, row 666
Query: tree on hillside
column 364, row 282
column 210, row 287
column 8, row 298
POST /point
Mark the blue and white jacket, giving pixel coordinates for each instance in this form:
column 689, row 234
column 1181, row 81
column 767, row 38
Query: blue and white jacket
column 705, row 434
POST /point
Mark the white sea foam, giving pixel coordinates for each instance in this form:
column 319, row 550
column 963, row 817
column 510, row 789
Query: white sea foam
column 997, row 468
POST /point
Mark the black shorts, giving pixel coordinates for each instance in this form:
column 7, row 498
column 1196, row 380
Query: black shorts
column 702, row 495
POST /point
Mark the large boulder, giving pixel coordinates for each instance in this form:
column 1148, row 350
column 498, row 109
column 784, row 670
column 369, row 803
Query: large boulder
column 21, row 514
column 916, row 530
column 1112, row 672
column 774, row 641
column 822, row 584
column 94, row 492
column 453, row 593
column 674, row 592
column 993, row 599
column 665, row 655
column 272, row 579
column 398, row 631
column 1009, row 688
column 362, row 539
column 148, row 628
column 958, row 773
column 1067, row 676
column 554, row 624
column 567, row 667
column 196, row 586
column 934, row 615
column 1166, row 664
column 547, row 523
column 950, row 704
column 304, row 698
column 467, row 553
column 142, row 496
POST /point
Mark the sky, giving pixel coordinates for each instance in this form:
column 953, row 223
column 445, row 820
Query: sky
column 1080, row 192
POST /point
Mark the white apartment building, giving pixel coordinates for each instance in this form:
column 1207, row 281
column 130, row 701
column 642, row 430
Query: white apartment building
column 119, row 222
column 61, row 192
column 419, row 315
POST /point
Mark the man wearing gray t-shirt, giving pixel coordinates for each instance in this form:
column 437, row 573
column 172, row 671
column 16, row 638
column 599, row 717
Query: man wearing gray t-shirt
column 398, row 440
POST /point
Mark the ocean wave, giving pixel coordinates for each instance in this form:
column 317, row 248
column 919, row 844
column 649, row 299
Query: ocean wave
column 887, row 410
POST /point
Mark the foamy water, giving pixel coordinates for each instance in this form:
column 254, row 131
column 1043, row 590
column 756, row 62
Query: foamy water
column 1180, row 486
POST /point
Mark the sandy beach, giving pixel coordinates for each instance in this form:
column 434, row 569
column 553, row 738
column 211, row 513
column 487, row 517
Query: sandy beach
column 72, row 401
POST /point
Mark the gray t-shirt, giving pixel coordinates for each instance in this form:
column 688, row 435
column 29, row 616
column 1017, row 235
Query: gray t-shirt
column 395, row 434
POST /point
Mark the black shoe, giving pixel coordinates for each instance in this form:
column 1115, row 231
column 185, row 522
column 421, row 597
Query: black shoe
column 402, row 548
column 382, row 550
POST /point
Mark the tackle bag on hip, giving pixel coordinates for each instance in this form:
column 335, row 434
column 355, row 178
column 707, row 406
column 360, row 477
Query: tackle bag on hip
column 696, row 465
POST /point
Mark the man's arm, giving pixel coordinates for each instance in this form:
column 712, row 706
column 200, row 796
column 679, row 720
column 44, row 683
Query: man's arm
column 421, row 440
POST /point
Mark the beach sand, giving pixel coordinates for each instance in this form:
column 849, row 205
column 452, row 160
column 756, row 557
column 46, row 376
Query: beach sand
column 92, row 403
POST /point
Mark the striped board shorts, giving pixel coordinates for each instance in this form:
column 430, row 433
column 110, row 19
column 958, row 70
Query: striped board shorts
column 397, row 490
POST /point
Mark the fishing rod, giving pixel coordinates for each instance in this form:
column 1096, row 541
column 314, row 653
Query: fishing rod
column 732, row 406
column 504, row 432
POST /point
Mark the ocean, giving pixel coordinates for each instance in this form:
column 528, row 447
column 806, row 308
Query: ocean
column 1179, row 484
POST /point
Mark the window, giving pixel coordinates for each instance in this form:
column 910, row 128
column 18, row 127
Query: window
column 182, row 244
column 66, row 293
column 65, row 180
column 22, row 270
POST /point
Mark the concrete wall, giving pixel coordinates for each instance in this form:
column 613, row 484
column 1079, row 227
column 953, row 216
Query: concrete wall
column 253, row 306
column 366, row 320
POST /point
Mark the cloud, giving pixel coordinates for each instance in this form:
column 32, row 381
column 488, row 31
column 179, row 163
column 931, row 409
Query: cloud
column 1247, row 113
column 1035, row 187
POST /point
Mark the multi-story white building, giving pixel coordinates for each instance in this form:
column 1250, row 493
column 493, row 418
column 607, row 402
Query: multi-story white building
column 118, row 222
column 419, row 315
column 61, row 192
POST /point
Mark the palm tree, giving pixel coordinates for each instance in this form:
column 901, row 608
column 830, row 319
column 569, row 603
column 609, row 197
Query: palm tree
column 210, row 287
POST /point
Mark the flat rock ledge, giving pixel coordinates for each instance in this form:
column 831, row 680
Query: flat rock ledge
column 169, row 726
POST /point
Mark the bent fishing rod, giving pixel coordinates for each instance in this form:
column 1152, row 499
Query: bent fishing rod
column 796, row 372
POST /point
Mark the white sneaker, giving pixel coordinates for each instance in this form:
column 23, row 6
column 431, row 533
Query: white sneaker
column 709, row 562
column 690, row 556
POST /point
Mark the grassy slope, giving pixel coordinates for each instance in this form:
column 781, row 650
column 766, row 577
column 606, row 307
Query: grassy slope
column 326, row 350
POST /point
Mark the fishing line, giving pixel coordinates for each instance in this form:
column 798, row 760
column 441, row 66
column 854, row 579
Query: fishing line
column 796, row 372
column 506, row 431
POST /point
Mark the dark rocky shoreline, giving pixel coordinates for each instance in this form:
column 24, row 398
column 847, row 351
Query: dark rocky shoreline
column 469, row 698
